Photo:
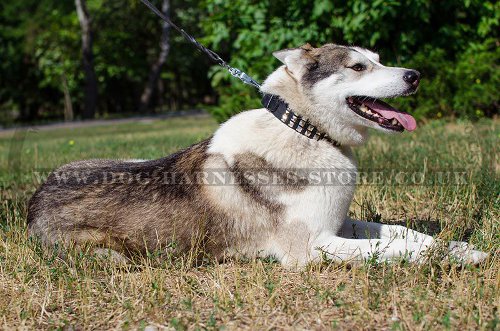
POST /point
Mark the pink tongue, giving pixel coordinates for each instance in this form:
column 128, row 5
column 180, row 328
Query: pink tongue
column 406, row 120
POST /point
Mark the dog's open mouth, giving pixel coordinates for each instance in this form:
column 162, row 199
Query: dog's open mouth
column 381, row 113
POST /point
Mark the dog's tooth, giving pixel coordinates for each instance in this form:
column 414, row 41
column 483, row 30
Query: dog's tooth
column 364, row 108
column 394, row 121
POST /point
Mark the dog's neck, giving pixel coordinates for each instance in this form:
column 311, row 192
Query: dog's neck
column 284, row 85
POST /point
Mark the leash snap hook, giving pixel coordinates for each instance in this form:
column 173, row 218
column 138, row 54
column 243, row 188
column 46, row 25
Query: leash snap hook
column 235, row 72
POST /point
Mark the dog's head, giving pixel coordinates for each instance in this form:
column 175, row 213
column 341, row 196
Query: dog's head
column 342, row 86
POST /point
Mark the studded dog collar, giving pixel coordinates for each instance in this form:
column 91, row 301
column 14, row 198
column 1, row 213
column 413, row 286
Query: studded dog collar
column 280, row 109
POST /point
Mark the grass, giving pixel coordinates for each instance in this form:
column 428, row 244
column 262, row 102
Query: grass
column 41, row 291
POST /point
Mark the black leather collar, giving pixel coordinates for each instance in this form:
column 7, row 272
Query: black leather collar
column 279, row 108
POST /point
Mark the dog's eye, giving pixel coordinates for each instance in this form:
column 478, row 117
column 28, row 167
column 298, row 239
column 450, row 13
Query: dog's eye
column 358, row 67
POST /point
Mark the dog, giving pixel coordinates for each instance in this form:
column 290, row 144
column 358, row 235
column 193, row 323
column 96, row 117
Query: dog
column 138, row 206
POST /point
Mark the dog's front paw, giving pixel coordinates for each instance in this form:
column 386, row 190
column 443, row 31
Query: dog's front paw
column 465, row 254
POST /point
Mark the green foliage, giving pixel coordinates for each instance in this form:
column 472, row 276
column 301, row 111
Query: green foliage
column 55, row 51
column 466, row 86
column 453, row 43
column 41, row 49
column 477, row 78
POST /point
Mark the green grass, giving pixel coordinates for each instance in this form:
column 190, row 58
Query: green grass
column 38, row 290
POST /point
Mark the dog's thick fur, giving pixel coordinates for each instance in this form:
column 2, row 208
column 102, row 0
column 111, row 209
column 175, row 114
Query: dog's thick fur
column 83, row 202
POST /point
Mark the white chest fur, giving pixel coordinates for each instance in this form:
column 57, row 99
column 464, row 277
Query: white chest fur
column 322, row 205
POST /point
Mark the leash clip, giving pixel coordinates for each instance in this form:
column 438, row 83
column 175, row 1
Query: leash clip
column 235, row 72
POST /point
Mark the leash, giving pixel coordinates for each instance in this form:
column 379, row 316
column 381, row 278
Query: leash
column 273, row 103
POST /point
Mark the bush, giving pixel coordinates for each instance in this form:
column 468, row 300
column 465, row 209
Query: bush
column 476, row 79
column 453, row 43
column 465, row 87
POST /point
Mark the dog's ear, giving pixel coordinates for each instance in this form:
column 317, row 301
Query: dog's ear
column 296, row 59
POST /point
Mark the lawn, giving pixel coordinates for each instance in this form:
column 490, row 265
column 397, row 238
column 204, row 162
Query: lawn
column 450, row 190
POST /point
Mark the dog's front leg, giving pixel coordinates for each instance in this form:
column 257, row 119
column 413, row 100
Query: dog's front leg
column 370, row 230
column 461, row 251
column 354, row 250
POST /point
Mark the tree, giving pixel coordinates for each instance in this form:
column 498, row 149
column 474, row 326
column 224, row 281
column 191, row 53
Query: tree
column 155, row 71
column 90, row 97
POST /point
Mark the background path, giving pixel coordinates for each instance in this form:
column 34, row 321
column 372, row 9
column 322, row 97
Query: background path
column 101, row 122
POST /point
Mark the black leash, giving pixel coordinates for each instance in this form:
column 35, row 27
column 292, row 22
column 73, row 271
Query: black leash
column 276, row 106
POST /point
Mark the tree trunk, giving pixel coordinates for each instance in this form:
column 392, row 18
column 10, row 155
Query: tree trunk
column 160, row 89
column 90, row 90
column 155, row 71
column 68, row 106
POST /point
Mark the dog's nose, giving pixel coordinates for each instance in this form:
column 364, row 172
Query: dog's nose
column 412, row 77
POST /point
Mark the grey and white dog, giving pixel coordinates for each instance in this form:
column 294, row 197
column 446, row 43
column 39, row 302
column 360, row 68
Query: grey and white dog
column 128, row 206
